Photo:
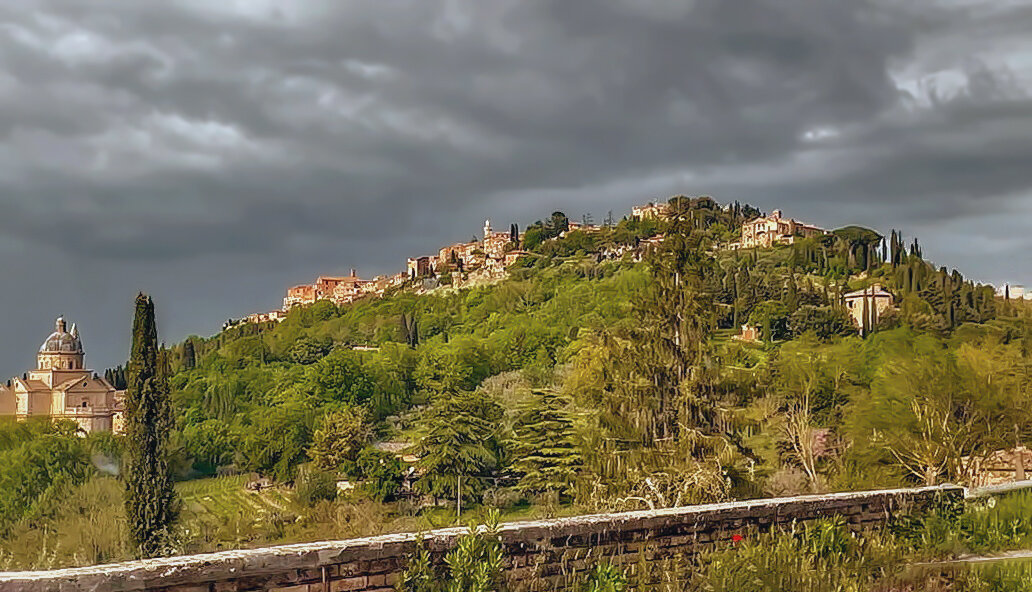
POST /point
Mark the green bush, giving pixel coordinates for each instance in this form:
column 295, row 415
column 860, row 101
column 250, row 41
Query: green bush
column 313, row 485
column 381, row 474
column 605, row 578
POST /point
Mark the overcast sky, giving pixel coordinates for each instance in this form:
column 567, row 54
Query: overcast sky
column 213, row 153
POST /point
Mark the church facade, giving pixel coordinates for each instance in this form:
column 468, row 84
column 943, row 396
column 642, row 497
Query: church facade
column 62, row 388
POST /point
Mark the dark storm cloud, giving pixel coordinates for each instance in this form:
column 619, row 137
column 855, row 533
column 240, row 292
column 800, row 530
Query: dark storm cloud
column 424, row 104
column 276, row 139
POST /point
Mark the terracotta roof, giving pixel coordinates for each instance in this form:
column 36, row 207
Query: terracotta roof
column 875, row 291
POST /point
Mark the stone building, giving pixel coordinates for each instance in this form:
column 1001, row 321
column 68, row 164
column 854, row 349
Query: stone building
column 749, row 333
column 348, row 289
column 651, row 210
column 62, row 388
column 495, row 243
column 767, row 231
column 877, row 302
column 419, row 266
column 514, row 256
column 299, row 296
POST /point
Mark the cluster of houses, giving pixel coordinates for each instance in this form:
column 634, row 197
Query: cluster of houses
column 463, row 263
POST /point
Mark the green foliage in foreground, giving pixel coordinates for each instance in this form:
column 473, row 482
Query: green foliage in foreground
column 820, row 556
column 826, row 556
column 39, row 462
column 474, row 565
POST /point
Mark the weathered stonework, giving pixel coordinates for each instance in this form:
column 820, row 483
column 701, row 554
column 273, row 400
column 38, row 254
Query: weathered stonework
column 542, row 555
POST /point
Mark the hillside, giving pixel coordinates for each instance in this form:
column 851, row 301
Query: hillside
column 604, row 372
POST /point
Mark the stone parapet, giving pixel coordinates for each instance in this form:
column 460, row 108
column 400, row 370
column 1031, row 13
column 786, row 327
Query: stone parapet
column 541, row 555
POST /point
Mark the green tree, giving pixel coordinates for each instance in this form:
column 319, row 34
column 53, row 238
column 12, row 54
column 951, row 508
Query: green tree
column 307, row 350
column 40, row 462
column 150, row 501
column 277, row 440
column 772, row 316
column 671, row 343
column 338, row 440
column 545, row 448
column 339, row 378
column 210, row 444
column 937, row 413
column 558, row 223
column 825, row 321
column 381, row 474
column 457, row 451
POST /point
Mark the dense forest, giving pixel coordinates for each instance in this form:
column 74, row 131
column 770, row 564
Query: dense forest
column 601, row 374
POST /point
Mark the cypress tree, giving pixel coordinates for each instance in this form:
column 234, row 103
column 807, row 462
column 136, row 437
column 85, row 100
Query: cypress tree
column 150, row 500
column 189, row 355
column 864, row 318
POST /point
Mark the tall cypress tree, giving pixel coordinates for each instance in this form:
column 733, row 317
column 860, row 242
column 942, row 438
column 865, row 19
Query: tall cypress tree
column 150, row 500
column 189, row 355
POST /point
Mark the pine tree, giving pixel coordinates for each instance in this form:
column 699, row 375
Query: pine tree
column 457, row 451
column 545, row 447
column 150, row 500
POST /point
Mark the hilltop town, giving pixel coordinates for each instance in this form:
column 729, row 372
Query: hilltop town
column 486, row 260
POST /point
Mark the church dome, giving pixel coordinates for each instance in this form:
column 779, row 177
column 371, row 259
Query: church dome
column 61, row 341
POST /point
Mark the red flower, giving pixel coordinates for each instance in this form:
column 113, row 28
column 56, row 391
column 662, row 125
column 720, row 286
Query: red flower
column 736, row 538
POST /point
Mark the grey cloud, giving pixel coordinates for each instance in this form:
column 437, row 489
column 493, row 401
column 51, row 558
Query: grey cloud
column 278, row 139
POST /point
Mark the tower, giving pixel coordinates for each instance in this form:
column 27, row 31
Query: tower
column 487, row 229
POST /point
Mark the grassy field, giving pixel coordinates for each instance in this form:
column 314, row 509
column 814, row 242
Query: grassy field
column 221, row 496
column 220, row 513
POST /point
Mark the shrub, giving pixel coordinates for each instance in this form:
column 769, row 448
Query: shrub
column 380, row 472
column 605, row 578
column 313, row 485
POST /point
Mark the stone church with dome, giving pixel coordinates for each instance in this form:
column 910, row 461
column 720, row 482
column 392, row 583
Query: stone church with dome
column 62, row 388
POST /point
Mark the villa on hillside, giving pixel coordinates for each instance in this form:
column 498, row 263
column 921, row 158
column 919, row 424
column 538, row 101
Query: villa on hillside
column 767, row 231
column 62, row 388
column 650, row 210
column 872, row 301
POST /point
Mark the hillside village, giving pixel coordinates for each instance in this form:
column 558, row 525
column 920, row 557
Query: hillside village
column 476, row 262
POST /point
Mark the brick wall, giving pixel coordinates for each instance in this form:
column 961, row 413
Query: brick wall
column 542, row 555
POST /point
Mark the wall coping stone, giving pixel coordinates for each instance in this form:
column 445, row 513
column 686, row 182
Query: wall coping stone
column 226, row 565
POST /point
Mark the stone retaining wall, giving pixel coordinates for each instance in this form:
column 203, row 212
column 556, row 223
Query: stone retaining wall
column 541, row 555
